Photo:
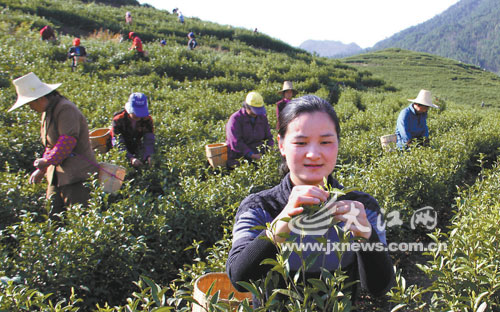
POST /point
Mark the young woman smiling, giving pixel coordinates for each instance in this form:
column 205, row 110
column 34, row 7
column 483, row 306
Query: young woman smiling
column 308, row 141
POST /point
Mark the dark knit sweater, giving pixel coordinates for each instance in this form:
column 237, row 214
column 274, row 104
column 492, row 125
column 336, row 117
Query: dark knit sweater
column 372, row 268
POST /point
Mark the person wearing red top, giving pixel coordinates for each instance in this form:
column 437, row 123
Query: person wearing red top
column 136, row 44
column 77, row 53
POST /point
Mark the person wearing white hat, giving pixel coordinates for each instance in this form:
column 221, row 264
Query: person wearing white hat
column 287, row 92
column 248, row 133
column 68, row 159
column 411, row 126
column 128, row 17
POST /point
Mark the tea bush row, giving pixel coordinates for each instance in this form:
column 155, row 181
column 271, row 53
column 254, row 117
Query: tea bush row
column 146, row 228
column 465, row 274
column 405, row 182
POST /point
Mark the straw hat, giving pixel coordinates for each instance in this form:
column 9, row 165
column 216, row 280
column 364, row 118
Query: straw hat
column 287, row 85
column 29, row 88
column 424, row 98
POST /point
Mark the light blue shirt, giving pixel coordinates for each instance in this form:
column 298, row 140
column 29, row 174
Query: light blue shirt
column 410, row 125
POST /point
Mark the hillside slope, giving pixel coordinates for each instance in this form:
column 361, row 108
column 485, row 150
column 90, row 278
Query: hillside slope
column 411, row 71
column 160, row 211
column 172, row 222
column 469, row 32
column 78, row 18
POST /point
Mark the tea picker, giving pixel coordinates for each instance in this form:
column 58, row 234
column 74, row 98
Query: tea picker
column 248, row 134
column 128, row 18
column 411, row 125
column 268, row 220
column 67, row 160
column 192, row 41
column 136, row 44
column 77, row 54
column 132, row 130
column 47, row 33
column 287, row 93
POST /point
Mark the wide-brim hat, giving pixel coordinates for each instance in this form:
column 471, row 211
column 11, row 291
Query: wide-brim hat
column 137, row 104
column 424, row 98
column 29, row 88
column 287, row 85
column 256, row 103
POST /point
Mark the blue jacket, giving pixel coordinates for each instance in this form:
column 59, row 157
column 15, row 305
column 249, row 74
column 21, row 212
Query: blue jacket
column 410, row 125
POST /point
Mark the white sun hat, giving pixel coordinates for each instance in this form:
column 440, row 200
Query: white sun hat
column 424, row 98
column 29, row 88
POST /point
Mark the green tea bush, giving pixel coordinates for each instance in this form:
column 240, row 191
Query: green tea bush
column 465, row 274
column 171, row 223
column 19, row 198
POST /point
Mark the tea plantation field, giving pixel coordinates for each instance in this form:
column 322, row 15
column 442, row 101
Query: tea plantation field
column 142, row 248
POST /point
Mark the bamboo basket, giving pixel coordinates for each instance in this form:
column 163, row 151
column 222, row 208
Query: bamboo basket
column 111, row 183
column 222, row 284
column 99, row 139
column 388, row 142
column 216, row 154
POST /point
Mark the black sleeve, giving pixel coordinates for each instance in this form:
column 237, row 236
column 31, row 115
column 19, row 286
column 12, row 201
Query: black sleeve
column 375, row 269
column 243, row 262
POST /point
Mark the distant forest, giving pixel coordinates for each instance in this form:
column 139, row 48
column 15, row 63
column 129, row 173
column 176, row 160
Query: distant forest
column 469, row 32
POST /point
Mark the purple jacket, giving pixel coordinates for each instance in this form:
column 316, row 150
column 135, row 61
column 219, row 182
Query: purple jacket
column 243, row 138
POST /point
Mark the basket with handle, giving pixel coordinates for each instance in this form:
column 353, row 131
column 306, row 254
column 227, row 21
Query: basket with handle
column 111, row 177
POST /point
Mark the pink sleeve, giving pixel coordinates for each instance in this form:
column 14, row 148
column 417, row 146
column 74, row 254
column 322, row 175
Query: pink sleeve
column 64, row 146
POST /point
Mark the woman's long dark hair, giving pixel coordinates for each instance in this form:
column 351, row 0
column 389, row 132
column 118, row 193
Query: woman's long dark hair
column 296, row 107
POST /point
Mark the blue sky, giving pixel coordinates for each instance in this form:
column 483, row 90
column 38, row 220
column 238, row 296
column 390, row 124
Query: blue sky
column 364, row 22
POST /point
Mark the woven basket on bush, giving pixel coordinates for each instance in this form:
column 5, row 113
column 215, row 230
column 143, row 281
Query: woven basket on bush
column 216, row 154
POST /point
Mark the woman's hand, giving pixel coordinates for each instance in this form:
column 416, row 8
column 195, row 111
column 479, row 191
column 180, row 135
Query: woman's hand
column 353, row 214
column 300, row 195
column 41, row 163
column 36, row 176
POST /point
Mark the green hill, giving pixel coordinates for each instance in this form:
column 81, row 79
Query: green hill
column 468, row 31
column 78, row 18
column 142, row 248
column 411, row 71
